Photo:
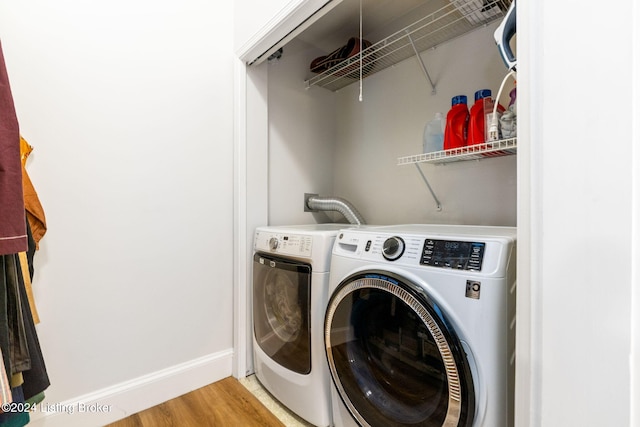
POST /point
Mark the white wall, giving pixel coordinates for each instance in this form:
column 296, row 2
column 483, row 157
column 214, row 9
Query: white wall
column 302, row 136
column 580, row 216
column 634, row 396
column 129, row 107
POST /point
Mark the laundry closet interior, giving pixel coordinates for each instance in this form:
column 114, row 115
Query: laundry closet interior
column 357, row 133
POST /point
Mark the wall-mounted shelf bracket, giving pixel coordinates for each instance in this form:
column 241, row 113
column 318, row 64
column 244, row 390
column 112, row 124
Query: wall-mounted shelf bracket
column 421, row 62
column 502, row 147
column 426, row 181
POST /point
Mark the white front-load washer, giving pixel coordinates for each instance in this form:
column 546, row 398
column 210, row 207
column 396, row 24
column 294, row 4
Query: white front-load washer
column 290, row 291
column 419, row 328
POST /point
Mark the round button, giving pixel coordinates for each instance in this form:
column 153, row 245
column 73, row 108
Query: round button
column 393, row 248
column 273, row 243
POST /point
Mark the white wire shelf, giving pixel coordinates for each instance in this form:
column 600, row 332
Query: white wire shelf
column 456, row 18
column 502, row 147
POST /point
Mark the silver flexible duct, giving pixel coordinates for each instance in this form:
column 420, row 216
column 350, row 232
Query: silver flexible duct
column 317, row 203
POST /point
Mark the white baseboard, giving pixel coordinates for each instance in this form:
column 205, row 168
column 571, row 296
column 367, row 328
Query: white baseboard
column 121, row 400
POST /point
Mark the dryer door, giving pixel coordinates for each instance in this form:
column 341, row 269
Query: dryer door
column 281, row 301
column 393, row 356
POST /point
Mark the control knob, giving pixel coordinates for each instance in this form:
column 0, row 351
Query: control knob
column 393, row 248
column 273, row 243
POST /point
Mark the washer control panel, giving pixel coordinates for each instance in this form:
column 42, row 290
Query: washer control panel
column 449, row 249
column 393, row 248
column 458, row 255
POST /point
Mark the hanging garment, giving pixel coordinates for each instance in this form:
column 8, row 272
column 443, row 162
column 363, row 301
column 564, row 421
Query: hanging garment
column 36, row 379
column 26, row 266
column 5, row 384
column 26, row 277
column 18, row 337
column 13, row 232
column 18, row 351
column 35, row 213
column 35, row 221
column 15, row 419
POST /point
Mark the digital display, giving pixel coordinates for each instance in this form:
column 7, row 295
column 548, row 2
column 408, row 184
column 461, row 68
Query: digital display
column 453, row 254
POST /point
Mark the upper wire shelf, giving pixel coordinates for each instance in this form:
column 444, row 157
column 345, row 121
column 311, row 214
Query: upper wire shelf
column 502, row 147
column 456, row 18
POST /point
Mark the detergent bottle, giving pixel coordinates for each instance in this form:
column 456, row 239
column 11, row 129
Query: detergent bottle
column 434, row 134
column 508, row 120
column 455, row 133
column 480, row 116
column 477, row 116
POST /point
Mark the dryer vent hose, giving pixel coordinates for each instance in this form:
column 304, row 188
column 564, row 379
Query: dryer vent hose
column 317, row 203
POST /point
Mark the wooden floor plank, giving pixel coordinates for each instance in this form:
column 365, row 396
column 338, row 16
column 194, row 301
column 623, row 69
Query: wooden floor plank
column 224, row 403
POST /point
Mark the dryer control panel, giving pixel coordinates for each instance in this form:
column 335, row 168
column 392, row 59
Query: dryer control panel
column 284, row 243
column 459, row 255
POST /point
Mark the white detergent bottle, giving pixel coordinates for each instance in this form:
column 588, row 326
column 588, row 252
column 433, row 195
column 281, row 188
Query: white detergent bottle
column 433, row 139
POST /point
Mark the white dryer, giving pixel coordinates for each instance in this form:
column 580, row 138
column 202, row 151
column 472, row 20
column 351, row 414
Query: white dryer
column 419, row 328
column 290, row 291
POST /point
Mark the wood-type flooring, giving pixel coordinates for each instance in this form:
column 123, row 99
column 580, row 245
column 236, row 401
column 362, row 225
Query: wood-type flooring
column 226, row 403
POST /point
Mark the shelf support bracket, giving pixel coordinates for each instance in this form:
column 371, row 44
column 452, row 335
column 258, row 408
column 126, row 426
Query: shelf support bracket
column 421, row 62
column 426, row 181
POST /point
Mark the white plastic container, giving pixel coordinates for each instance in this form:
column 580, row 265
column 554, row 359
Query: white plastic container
column 433, row 138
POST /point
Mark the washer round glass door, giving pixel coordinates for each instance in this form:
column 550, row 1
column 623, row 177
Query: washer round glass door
column 393, row 356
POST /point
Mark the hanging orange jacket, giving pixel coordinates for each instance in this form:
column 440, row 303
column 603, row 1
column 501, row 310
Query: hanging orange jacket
column 37, row 223
column 35, row 213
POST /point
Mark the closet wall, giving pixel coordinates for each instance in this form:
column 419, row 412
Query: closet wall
column 128, row 105
column 302, row 138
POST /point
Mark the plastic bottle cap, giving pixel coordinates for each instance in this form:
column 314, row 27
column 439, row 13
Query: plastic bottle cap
column 459, row 99
column 439, row 116
column 483, row 93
